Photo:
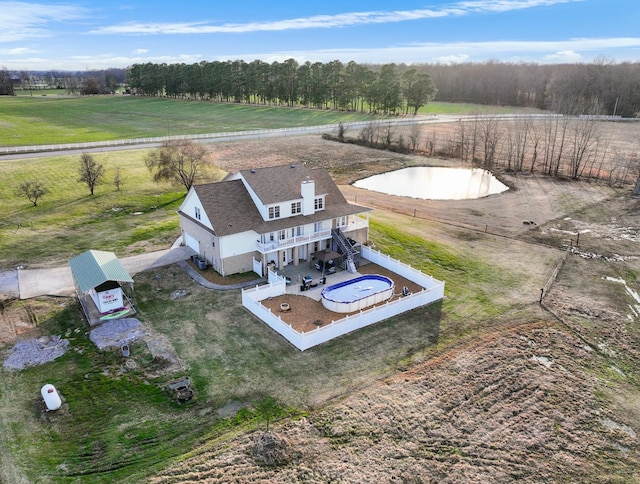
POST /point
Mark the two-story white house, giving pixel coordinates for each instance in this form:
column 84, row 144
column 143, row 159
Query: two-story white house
column 279, row 215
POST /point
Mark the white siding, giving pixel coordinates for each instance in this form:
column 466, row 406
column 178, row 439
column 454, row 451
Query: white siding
column 189, row 205
column 308, row 190
column 238, row 244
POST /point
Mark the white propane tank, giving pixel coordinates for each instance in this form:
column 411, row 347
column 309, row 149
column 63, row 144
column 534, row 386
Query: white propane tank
column 51, row 397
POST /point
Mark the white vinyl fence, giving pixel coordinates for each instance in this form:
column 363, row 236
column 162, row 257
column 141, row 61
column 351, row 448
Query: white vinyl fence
column 433, row 290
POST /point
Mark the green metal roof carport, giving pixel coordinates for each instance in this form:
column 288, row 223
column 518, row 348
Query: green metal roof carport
column 95, row 267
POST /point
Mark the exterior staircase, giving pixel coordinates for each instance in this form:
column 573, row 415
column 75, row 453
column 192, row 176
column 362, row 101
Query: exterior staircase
column 350, row 256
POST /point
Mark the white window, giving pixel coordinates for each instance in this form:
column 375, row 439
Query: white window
column 318, row 203
column 274, row 212
column 282, row 235
column 296, row 207
column 317, row 227
column 197, row 213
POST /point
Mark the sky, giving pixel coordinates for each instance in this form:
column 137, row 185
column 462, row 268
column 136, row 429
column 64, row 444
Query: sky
column 90, row 35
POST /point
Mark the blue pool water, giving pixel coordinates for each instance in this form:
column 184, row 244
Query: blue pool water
column 357, row 288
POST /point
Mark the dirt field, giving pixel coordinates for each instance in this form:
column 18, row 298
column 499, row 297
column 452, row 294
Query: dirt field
column 536, row 396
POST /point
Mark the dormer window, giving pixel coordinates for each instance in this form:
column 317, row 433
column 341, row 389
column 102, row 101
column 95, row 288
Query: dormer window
column 198, row 213
column 318, row 203
column 296, row 207
column 274, row 212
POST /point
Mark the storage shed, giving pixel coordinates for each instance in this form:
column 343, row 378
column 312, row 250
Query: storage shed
column 104, row 287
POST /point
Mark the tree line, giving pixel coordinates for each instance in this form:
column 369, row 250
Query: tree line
column 613, row 88
column 384, row 89
column 391, row 88
column 398, row 88
column 105, row 81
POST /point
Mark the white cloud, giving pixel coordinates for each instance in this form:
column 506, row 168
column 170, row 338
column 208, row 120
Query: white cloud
column 113, row 60
column 507, row 51
column 568, row 56
column 452, row 59
column 570, row 50
column 16, row 51
column 140, row 51
column 328, row 21
column 22, row 20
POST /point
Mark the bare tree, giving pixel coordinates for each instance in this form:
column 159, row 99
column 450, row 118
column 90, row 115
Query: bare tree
column 536, row 139
column 555, row 141
column 33, row 190
column 430, row 143
column 523, row 137
column 90, row 171
column 584, row 138
column 473, row 139
column 178, row 161
column 6, row 83
column 490, row 132
column 462, row 143
column 118, row 180
column 388, row 131
column 414, row 137
column 25, row 82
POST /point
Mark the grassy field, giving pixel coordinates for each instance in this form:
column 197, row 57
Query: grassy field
column 32, row 120
column 26, row 120
column 138, row 217
column 122, row 425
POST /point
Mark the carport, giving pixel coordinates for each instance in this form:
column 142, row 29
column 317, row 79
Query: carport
column 103, row 286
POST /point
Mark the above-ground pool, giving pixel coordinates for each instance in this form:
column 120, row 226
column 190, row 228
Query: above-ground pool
column 357, row 293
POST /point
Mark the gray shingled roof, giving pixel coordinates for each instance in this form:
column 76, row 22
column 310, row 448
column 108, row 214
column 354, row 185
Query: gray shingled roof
column 231, row 209
column 228, row 206
column 94, row 267
column 277, row 183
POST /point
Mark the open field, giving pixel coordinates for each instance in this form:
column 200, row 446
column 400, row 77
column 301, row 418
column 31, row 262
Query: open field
column 54, row 119
column 486, row 387
column 137, row 218
column 26, row 120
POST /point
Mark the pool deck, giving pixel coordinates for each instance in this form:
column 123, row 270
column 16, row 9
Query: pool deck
column 298, row 273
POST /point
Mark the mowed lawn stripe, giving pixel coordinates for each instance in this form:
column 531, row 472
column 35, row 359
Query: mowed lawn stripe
column 62, row 119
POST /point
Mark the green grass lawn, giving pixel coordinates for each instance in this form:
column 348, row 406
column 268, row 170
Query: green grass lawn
column 139, row 217
column 120, row 425
column 27, row 120
column 468, row 108
column 53, row 119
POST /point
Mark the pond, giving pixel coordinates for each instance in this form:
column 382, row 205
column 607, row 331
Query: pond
column 435, row 183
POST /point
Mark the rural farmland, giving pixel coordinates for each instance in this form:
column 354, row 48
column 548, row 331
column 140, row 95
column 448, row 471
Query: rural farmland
column 491, row 385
